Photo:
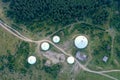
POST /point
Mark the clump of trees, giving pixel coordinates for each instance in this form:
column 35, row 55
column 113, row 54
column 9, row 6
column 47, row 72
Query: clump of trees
column 100, row 17
column 115, row 22
column 116, row 47
column 58, row 11
column 12, row 61
column 5, row 1
column 53, row 70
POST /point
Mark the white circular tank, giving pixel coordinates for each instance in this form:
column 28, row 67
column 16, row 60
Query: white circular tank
column 81, row 42
column 32, row 60
column 45, row 46
column 70, row 60
column 56, row 39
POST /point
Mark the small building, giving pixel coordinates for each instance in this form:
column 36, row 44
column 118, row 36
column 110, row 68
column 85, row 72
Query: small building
column 81, row 56
column 105, row 59
column 48, row 63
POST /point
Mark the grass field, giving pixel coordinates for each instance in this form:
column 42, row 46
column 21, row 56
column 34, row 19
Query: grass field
column 8, row 42
column 89, row 76
column 115, row 74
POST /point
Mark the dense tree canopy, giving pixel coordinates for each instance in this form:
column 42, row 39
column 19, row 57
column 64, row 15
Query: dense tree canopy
column 5, row 1
column 115, row 22
column 54, row 69
column 58, row 11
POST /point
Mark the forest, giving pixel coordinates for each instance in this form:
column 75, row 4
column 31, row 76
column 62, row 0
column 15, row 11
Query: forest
column 61, row 12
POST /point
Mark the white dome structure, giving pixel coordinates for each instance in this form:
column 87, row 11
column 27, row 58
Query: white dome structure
column 70, row 60
column 56, row 39
column 81, row 42
column 32, row 60
column 45, row 46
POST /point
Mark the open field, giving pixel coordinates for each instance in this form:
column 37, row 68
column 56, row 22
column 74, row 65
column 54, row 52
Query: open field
column 8, row 42
column 115, row 74
column 88, row 76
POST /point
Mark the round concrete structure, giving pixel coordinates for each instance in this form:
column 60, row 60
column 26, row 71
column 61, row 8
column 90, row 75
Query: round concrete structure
column 32, row 60
column 81, row 42
column 56, row 39
column 45, row 46
column 70, row 60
